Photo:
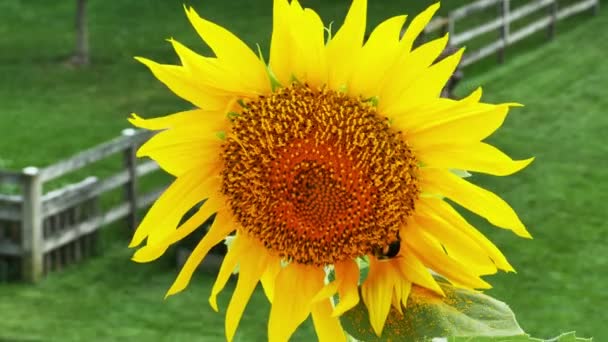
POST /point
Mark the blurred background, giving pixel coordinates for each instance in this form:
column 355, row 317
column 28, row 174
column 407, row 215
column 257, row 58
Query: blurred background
column 68, row 82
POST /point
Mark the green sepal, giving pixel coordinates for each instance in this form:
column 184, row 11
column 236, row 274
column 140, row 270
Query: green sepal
column 274, row 82
column 242, row 103
column 328, row 30
column 363, row 263
column 461, row 173
column 372, row 100
column 233, row 115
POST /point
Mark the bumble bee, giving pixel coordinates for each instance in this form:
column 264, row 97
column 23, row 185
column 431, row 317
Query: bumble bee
column 389, row 251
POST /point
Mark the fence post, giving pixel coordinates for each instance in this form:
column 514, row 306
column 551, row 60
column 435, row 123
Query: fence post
column 503, row 10
column 31, row 226
column 451, row 27
column 130, row 188
column 553, row 9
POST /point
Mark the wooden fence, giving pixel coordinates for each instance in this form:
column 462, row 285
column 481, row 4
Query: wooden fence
column 42, row 232
column 501, row 24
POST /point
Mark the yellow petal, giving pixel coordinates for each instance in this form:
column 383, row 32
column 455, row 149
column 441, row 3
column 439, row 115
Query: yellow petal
column 173, row 120
column 412, row 269
column 406, row 289
column 417, row 25
column 476, row 199
column 347, row 272
column 377, row 292
column 281, row 51
column 347, row 42
column 155, row 249
column 233, row 53
column 184, row 148
column 428, row 86
column 216, row 234
column 329, row 290
column 478, row 157
column 184, row 85
column 458, row 245
column 427, row 249
column 164, row 215
column 406, row 74
column 327, row 327
column 446, row 212
column 252, row 264
column 396, row 298
column 219, row 77
column 376, row 57
column 458, row 126
column 237, row 250
column 269, row 277
column 298, row 45
column 435, row 112
column 296, row 286
column 308, row 62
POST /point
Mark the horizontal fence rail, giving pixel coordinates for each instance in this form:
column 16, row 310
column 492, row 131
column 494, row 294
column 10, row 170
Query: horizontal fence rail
column 89, row 156
column 10, row 177
column 501, row 24
column 42, row 232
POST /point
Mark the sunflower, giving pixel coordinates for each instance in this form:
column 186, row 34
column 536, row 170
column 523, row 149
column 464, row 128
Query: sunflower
column 333, row 152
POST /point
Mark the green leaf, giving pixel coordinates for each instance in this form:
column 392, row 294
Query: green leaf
column 567, row 337
column 461, row 173
column 462, row 313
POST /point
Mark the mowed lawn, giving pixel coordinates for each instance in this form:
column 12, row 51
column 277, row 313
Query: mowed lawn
column 50, row 111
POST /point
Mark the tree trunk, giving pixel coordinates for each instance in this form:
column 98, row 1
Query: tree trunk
column 81, row 54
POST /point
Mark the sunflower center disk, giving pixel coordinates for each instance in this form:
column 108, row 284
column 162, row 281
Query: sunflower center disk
column 317, row 176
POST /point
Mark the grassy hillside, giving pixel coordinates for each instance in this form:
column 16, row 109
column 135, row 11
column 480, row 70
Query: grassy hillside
column 49, row 111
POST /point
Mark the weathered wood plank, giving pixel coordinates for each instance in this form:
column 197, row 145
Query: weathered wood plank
column 577, row 8
column 512, row 16
column 436, row 24
column 58, row 200
column 9, row 248
column 149, row 197
column 504, row 9
column 528, row 30
column 596, row 7
column 547, row 20
column 86, row 227
column 10, row 199
column 10, row 208
column 530, row 8
column 93, row 154
column 130, row 187
column 467, row 10
column 10, row 177
column 540, row 24
column 483, row 52
column 553, row 13
column 147, row 167
column 78, row 218
column 116, row 213
column 87, row 189
column 31, row 228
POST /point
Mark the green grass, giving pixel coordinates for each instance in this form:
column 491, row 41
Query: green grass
column 110, row 299
column 50, row 111
column 48, row 104
column 563, row 194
